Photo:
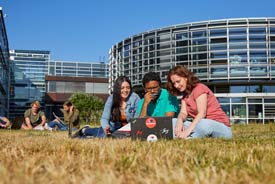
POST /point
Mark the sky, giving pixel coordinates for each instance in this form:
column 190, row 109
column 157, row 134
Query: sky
column 85, row 30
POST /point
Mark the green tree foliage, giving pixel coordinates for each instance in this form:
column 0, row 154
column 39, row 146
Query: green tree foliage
column 90, row 107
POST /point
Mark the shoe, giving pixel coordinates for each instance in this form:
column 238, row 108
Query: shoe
column 47, row 127
column 80, row 133
column 39, row 127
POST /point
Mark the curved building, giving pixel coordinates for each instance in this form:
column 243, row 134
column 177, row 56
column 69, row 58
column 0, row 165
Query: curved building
column 234, row 57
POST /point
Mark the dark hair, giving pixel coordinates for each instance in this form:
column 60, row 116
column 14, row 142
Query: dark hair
column 67, row 103
column 115, row 109
column 181, row 71
column 151, row 76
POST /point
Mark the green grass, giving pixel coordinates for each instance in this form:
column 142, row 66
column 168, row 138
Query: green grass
column 51, row 157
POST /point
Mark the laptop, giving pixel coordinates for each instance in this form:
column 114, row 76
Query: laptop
column 70, row 129
column 152, row 128
column 58, row 118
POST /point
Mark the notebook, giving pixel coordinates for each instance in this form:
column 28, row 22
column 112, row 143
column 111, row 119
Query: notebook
column 152, row 128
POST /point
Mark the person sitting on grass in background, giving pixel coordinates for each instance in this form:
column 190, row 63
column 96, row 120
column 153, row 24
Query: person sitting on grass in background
column 71, row 117
column 4, row 122
column 156, row 101
column 119, row 109
column 199, row 102
column 34, row 117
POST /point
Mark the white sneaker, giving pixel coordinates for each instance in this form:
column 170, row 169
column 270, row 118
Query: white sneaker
column 46, row 127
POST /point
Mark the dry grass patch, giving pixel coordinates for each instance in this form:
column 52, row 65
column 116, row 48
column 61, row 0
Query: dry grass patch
column 51, row 157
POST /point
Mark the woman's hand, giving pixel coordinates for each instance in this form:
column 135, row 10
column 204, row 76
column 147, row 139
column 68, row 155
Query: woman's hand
column 184, row 134
column 179, row 128
column 180, row 131
column 107, row 131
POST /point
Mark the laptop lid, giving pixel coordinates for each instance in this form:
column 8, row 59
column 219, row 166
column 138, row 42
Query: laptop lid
column 152, row 128
column 58, row 118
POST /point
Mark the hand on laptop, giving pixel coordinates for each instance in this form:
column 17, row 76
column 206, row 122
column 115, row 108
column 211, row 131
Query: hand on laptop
column 181, row 132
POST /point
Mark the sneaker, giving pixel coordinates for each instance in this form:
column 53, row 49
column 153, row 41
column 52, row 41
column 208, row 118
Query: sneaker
column 80, row 133
column 39, row 127
column 47, row 127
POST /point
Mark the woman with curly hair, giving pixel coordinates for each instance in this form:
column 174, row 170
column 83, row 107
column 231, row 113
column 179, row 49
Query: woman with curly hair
column 199, row 103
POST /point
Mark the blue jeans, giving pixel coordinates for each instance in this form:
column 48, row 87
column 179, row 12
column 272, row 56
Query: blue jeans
column 95, row 132
column 60, row 126
column 208, row 128
column 2, row 123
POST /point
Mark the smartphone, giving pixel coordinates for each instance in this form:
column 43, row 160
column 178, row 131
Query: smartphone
column 154, row 94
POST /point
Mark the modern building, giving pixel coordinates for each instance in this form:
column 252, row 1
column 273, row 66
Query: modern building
column 78, row 69
column 36, row 77
column 27, row 79
column 4, row 67
column 234, row 57
column 66, row 77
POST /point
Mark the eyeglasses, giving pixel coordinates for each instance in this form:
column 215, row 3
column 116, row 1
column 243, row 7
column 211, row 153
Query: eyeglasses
column 154, row 88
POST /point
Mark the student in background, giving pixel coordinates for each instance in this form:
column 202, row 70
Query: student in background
column 34, row 117
column 198, row 102
column 71, row 116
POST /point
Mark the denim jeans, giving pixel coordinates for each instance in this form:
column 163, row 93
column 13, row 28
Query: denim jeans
column 2, row 123
column 207, row 128
column 94, row 132
column 60, row 126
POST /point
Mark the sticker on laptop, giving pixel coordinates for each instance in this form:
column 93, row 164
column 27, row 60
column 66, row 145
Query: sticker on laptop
column 150, row 122
column 152, row 138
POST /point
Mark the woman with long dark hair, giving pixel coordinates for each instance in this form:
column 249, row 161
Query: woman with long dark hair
column 119, row 109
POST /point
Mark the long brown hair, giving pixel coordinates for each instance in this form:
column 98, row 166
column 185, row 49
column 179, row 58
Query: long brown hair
column 115, row 108
column 181, row 71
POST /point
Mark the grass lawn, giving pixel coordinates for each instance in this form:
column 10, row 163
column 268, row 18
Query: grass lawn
column 51, row 157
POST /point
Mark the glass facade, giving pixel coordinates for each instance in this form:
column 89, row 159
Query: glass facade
column 78, row 69
column 27, row 79
column 234, row 57
column 4, row 68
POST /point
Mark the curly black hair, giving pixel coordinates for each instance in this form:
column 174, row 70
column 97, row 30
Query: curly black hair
column 151, row 76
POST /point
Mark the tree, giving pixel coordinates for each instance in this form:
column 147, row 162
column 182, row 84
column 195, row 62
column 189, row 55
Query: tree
column 89, row 106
